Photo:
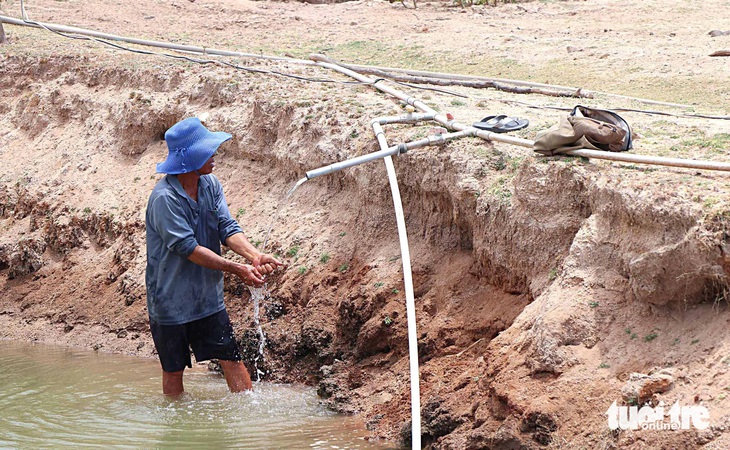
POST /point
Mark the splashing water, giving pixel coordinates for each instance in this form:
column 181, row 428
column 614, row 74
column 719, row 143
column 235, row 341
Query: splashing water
column 260, row 294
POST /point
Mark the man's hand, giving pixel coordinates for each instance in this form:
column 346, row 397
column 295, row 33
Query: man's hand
column 266, row 264
column 249, row 275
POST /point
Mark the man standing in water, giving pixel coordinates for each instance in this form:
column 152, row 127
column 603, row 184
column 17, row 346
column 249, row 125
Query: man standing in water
column 187, row 221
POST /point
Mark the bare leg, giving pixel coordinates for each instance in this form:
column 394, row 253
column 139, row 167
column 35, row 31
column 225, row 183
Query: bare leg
column 172, row 383
column 236, row 375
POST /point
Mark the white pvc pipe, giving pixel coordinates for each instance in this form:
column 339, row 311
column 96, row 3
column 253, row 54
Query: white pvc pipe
column 655, row 160
column 353, row 162
column 410, row 297
column 148, row 43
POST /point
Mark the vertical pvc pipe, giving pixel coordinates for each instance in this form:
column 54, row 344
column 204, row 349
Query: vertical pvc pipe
column 410, row 307
column 410, row 297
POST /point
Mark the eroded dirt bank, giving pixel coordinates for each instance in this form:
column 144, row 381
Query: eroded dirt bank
column 541, row 283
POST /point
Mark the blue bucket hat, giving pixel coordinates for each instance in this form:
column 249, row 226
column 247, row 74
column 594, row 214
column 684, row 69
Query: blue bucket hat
column 189, row 146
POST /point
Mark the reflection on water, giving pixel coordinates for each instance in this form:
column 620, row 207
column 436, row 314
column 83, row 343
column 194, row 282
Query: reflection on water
column 52, row 397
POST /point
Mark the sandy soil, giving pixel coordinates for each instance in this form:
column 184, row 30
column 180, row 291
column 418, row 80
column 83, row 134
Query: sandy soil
column 542, row 284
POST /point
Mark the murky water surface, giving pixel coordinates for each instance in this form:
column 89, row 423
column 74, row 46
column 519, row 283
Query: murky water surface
column 53, row 397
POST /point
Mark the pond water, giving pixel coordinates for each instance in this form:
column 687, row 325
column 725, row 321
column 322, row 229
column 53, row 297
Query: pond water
column 54, row 397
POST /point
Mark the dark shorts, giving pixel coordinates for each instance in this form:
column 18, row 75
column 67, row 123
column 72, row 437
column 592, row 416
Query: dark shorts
column 210, row 338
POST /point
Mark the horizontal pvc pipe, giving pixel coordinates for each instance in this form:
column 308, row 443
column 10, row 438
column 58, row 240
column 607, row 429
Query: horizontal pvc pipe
column 159, row 44
column 655, row 160
column 353, row 162
column 438, row 139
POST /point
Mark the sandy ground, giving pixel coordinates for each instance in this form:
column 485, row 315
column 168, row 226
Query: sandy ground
column 542, row 284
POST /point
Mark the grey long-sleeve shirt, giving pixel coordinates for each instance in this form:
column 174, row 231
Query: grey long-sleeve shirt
column 178, row 290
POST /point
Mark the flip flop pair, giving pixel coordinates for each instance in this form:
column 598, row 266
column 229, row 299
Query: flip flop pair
column 501, row 124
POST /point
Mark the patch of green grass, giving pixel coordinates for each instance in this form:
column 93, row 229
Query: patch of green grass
column 715, row 142
column 342, row 234
column 604, row 365
column 710, row 202
column 499, row 164
column 593, row 304
column 240, row 212
column 457, row 103
column 302, row 270
column 553, row 274
column 379, row 284
column 257, row 243
column 293, row 251
column 343, row 268
column 500, row 190
column 694, row 341
column 387, row 321
column 650, row 337
column 325, row 258
column 395, row 291
column 87, row 210
column 515, row 162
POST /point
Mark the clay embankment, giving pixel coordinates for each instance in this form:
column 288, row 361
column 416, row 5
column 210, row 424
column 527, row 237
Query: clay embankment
column 541, row 284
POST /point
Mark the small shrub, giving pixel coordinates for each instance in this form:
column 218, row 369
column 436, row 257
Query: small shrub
column 650, row 337
column 292, row 252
